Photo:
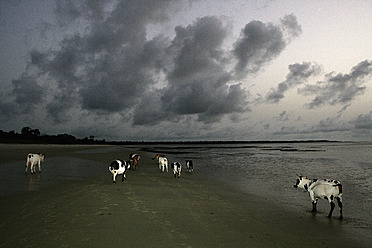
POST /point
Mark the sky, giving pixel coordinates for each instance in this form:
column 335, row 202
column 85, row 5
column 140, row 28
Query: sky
column 163, row 70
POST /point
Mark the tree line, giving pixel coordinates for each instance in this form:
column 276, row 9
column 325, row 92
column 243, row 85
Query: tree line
column 29, row 135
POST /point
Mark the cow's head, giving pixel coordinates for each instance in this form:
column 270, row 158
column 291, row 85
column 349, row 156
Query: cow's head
column 41, row 157
column 301, row 182
column 157, row 156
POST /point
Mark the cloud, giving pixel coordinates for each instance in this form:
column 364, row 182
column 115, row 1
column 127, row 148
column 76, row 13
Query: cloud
column 363, row 121
column 339, row 88
column 27, row 93
column 283, row 116
column 290, row 27
column 198, row 84
column 298, row 74
column 339, row 113
column 105, row 65
column 259, row 43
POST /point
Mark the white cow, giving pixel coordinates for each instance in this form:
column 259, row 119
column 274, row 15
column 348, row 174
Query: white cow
column 163, row 164
column 118, row 167
column 162, row 161
column 322, row 189
column 33, row 159
column 176, row 169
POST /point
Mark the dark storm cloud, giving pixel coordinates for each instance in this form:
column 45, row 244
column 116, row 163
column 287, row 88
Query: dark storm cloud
column 340, row 88
column 27, row 92
column 150, row 112
column 298, row 74
column 198, row 84
column 106, row 64
column 109, row 67
column 259, row 43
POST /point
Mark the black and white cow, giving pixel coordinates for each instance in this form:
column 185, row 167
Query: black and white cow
column 322, row 189
column 176, row 169
column 33, row 159
column 119, row 167
column 189, row 166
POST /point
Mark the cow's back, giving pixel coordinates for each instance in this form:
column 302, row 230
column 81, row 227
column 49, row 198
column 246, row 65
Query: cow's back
column 322, row 190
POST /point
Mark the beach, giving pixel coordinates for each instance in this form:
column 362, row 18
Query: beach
column 152, row 209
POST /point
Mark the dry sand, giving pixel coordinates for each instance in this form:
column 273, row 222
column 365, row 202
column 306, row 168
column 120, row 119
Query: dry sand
column 153, row 209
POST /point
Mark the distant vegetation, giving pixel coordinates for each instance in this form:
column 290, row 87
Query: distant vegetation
column 34, row 136
column 29, row 135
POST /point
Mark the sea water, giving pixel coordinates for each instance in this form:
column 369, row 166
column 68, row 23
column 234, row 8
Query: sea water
column 270, row 170
column 265, row 170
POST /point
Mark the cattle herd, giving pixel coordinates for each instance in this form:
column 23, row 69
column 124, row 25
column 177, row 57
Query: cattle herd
column 318, row 189
column 119, row 167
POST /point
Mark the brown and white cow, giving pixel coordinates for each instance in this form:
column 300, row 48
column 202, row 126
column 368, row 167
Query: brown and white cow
column 134, row 158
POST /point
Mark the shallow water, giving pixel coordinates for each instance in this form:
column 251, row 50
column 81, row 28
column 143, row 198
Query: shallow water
column 265, row 170
column 269, row 171
column 54, row 171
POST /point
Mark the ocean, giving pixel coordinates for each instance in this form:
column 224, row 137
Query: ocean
column 265, row 170
column 270, row 170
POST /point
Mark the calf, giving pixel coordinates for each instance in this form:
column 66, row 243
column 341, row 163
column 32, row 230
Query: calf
column 162, row 161
column 189, row 166
column 325, row 188
column 176, row 169
column 134, row 158
column 118, row 167
column 33, row 159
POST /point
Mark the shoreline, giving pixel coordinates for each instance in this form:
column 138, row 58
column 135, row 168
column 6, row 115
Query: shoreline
column 155, row 209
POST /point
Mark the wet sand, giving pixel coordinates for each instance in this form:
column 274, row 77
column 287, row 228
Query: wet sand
column 153, row 209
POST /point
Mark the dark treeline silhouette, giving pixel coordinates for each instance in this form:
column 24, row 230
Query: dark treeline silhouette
column 31, row 136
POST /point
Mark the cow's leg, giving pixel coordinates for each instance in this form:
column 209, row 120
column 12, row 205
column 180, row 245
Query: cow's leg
column 331, row 211
column 114, row 177
column 339, row 201
column 32, row 168
column 26, row 167
column 124, row 177
column 314, row 201
column 39, row 167
column 314, row 206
